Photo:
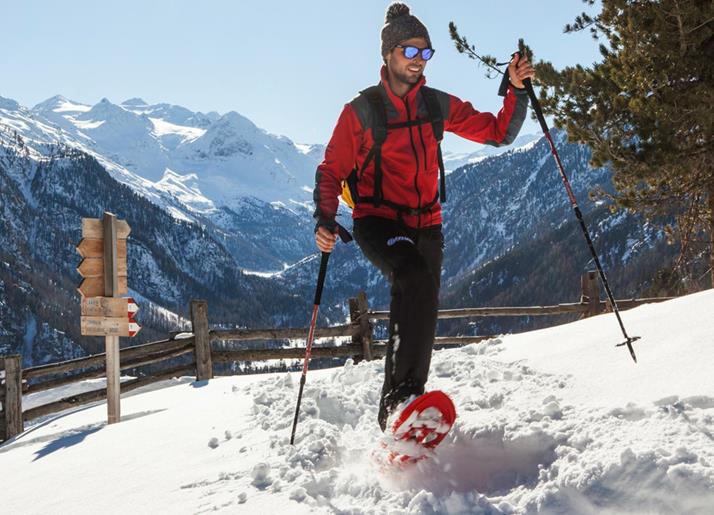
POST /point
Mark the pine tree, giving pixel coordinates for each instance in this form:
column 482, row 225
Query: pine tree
column 647, row 109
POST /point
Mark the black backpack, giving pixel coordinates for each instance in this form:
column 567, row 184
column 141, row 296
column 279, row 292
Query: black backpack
column 380, row 128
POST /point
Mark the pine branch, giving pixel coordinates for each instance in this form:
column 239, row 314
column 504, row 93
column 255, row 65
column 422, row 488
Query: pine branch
column 582, row 22
column 464, row 47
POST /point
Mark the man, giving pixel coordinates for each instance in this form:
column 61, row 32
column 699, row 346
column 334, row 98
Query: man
column 397, row 215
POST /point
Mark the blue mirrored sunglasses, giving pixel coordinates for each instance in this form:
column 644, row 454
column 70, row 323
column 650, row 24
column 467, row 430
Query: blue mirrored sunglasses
column 410, row 52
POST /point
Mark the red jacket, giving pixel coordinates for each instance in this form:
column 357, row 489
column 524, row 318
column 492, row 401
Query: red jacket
column 410, row 169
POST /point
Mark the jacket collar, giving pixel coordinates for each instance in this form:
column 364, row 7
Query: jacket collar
column 396, row 100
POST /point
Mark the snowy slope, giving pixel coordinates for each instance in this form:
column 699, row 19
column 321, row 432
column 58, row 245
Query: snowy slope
column 554, row 421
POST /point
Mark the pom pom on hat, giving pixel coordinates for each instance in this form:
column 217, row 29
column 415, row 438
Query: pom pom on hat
column 396, row 10
column 401, row 25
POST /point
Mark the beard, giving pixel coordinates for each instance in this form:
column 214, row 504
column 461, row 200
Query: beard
column 407, row 77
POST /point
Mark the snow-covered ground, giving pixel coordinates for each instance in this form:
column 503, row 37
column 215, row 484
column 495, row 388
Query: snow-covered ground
column 552, row 421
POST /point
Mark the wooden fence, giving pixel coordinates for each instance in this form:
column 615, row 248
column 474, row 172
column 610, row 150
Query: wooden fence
column 18, row 382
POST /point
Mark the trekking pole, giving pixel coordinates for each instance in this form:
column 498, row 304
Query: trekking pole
column 463, row 46
column 310, row 337
column 544, row 126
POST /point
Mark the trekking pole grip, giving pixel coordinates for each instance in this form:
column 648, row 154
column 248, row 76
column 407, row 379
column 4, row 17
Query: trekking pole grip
column 321, row 277
column 536, row 104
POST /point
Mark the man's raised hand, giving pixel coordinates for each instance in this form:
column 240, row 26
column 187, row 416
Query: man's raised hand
column 520, row 69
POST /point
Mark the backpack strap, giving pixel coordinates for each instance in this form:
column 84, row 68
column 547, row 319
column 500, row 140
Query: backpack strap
column 379, row 128
column 379, row 134
column 437, row 123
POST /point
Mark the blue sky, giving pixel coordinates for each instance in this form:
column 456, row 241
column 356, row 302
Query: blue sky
column 288, row 66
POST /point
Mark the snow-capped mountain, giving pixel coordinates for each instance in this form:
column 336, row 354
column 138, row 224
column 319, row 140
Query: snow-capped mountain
column 172, row 114
column 150, row 155
column 454, row 160
column 228, row 156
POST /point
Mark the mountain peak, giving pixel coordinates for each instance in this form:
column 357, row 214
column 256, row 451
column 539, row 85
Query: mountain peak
column 59, row 103
column 105, row 106
column 236, row 121
column 135, row 102
column 55, row 99
column 9, row 104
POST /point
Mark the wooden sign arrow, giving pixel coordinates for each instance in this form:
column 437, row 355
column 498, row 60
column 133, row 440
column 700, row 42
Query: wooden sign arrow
column 94, row 267
column 94, row 287
column 107, row 326
column 94, row 248
column 109, row 307
column 93, row 228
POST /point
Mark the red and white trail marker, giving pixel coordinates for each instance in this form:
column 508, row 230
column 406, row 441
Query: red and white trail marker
column 132, row 307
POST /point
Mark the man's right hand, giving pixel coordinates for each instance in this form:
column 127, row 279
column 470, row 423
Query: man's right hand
column 325, row 239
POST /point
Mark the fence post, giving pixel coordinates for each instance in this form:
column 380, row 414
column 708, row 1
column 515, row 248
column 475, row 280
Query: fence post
column 358, row 315
column 12, row 406
column 590, row 293
column 202, row 338
column 365, row 327
column 354, row 320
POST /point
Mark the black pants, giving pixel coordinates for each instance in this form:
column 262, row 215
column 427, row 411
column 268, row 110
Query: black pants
column 411, row 260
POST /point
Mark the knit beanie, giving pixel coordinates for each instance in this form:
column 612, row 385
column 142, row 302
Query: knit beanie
column 400, row 25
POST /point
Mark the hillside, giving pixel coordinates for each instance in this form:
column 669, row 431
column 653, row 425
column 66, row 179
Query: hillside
column 553, row 421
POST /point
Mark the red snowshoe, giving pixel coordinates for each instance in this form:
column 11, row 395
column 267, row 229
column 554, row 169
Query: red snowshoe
column 418, row 428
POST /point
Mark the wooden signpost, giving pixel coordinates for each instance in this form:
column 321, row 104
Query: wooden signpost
column 103, row 311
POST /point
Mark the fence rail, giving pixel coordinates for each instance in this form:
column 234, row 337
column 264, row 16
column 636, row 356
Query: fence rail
column 131, row 362
column 137, row 351
column 282, row 334
column 558, row 309
column 96, row 395
column 18, row 381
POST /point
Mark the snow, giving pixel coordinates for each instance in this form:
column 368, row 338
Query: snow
column 574, row 347
column 65, row 106
column 178, row 214
column 551, row 421
column 163, row 128
column 87, row 124
column 261, row 274
column 303, row 148
column 526, row 147
column 185, row 189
